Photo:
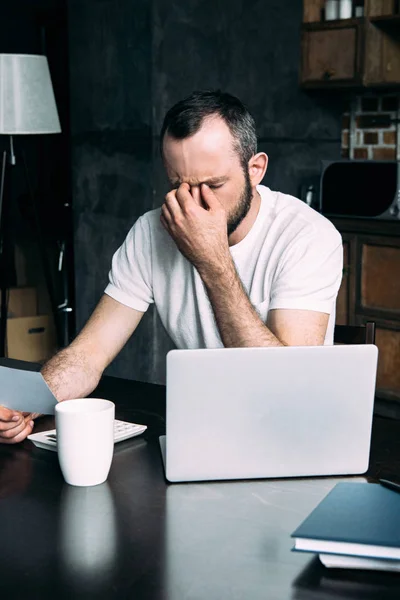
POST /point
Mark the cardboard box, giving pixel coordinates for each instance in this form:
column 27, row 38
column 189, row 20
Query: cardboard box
column 31, row 338
column 22, row 302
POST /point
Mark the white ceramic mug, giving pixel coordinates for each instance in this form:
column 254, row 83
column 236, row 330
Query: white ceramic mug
column 85, row 439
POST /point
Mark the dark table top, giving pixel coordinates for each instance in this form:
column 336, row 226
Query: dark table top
column 138, row 537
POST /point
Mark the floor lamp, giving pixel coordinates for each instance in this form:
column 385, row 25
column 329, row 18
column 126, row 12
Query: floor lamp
column 27, row 106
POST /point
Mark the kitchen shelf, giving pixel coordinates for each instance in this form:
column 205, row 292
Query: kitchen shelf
column 337, row 24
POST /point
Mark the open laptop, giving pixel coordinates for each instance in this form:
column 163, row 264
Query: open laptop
column 246, row 413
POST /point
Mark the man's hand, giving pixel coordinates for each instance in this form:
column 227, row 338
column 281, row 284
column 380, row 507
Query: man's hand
column 198, row 226
column 14, row 426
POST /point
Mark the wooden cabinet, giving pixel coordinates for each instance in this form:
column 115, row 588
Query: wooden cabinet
column 370, row 291
column 382, row 58
column 358, row 52
column 379, row 288
column 377, row 8
column 321, row 64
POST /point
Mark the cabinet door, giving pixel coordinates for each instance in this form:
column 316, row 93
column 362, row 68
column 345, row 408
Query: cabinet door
column 378, row 299
column 376, row 8
column 378, row 289
column 330, row 55
column 382, row 50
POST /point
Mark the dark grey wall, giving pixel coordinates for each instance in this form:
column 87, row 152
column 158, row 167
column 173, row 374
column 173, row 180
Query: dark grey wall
column 250, row 48
column 130, row 61
column 111, row 114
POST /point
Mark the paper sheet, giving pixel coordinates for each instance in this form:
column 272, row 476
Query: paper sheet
column 25, row 391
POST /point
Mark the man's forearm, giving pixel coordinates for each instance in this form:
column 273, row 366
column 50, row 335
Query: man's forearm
column 238, row 322
column 69, row 374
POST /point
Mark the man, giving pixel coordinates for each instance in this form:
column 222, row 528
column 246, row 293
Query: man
column 227, row 261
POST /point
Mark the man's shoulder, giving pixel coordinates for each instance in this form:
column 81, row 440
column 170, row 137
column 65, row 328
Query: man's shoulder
column 295, row 217
column 153, row 233
column 148, row 225
column 151, row 218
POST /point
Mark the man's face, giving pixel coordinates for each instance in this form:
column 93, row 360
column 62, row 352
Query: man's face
column 209, row 157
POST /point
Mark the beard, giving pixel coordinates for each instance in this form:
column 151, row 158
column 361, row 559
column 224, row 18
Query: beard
column 243, row 206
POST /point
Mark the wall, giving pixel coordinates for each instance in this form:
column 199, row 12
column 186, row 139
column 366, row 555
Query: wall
column 252, row 50
column 129, row 63
column 111, row 136
column 375, row 139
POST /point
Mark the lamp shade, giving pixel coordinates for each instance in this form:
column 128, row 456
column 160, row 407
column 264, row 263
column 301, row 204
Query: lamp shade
column 27, row 103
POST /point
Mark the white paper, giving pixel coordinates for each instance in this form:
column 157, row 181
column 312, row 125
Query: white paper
column 355, row 562
column 25, row 391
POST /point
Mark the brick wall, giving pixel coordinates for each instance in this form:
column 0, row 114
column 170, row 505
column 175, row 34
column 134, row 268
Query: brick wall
column 375, row 128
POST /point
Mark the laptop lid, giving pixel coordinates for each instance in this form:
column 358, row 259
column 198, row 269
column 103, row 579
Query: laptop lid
column 242, row 413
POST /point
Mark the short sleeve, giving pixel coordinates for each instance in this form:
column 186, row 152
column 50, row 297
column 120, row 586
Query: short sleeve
column 130, row 277
column 310, row 272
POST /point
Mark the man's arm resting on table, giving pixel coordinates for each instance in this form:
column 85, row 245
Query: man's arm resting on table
column 75, row 371
column 240, row 325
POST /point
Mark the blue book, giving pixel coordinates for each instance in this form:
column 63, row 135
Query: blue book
column 356, row 520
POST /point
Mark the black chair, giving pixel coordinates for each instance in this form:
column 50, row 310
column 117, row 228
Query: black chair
column 355, row 334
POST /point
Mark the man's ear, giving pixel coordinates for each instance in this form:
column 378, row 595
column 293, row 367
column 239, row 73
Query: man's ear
column 257, row 168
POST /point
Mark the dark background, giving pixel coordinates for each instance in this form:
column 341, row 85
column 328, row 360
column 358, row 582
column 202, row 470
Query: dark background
column 117, row 66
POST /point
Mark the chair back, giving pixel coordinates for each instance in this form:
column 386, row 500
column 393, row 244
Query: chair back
column 355, row 334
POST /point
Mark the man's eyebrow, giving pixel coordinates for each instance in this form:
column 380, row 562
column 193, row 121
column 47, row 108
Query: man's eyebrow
column 215, row 180
column 211, row 181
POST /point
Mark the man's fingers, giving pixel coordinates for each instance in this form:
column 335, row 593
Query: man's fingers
column 196, row 195
column 184, row 197
column 13, row 431
column 209, row 198
column 18, row 436
column 164, row 223
column 31, row 415
column 183, row 200
column 6, row 414
column 172, row 204
column 7, row 425
column 165, row 213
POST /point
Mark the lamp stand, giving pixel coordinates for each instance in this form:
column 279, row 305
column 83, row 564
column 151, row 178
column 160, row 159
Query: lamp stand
column 8, row 163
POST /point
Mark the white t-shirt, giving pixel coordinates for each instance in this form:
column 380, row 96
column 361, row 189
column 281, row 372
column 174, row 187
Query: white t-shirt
column 291, row 258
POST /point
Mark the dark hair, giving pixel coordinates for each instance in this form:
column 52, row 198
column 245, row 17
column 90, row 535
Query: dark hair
column 186, row 117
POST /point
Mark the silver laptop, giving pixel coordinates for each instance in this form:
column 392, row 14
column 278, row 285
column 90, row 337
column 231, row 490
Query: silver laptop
column 245, row 413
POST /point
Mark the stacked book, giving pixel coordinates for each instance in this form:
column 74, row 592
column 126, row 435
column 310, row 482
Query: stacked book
column 356, row 526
